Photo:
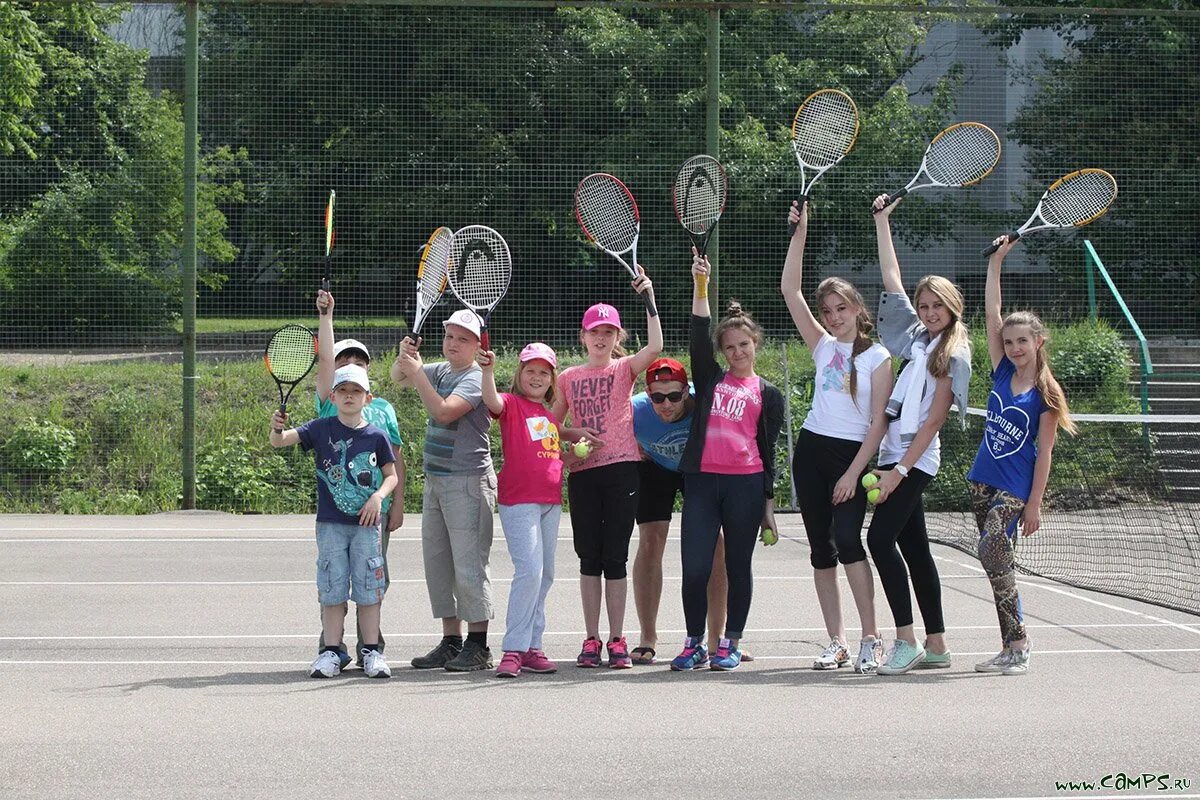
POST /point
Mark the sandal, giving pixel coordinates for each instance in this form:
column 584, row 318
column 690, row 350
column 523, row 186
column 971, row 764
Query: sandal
column 642, row 655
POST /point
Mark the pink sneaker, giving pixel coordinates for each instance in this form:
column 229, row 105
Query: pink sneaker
column 618, row 654
column 536, row 661
column 510, row 665
column 589, row 656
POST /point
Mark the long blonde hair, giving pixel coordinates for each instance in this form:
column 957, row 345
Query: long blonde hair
column 1047, row 385
column 862, row 322
column 954, row 336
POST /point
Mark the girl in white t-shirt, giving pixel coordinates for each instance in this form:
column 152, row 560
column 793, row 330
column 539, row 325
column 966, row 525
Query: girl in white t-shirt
column 841, row 434
column 932, row 341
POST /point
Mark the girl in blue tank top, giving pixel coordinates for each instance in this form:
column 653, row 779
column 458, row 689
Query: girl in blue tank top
column 1008, row 479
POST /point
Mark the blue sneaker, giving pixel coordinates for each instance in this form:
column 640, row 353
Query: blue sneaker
column 726, row 658
column 901, row 658
column 694, row 654
column 344, row 658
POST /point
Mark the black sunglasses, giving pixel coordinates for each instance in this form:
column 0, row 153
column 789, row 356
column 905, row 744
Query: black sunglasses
column 659, row 397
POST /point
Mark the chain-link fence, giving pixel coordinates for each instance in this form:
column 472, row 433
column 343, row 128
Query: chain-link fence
column 420, row 116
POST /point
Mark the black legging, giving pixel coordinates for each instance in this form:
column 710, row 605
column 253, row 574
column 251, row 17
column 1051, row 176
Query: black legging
column 603, row 504
column 734, row 503
column 897, row 537
column 834, row 531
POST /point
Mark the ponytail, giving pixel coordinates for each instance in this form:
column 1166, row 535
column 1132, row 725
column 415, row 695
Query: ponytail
column 738, row 317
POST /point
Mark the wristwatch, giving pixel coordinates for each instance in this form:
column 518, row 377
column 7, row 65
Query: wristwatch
column 903, row 470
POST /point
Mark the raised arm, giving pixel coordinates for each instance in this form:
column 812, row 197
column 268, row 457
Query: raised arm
column 792, row 278
column 654, row 336
column 700, row 266
column 325, row 359
column 889, row 266
column 991, row 300
column 486, row 360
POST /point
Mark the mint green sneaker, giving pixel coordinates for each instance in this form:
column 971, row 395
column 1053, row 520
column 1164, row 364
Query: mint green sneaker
column 901, row 658
column 934, row 660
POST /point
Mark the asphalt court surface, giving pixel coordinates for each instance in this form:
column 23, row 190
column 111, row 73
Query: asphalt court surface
column 169, row 652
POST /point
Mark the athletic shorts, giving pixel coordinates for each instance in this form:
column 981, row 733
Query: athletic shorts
column 657, row 491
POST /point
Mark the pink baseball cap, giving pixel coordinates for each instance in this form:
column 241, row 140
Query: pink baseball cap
column 601, row 314
column 538, row 350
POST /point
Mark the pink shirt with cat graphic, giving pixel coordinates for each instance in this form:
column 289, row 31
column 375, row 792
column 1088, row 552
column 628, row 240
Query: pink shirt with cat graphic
column 731, row 443
column 533, row 467
column 601, row 398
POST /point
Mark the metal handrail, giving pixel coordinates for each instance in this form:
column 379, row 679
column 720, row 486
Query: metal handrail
column 1147, row 365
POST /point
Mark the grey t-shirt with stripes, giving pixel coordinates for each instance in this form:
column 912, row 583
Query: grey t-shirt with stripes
column 460, row 447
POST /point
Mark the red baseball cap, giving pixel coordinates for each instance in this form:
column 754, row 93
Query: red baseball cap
column 666, row 369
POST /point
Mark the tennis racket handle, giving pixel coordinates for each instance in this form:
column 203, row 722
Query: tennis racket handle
column 484, row 342
column 416, row 337
column 324, row 288
column 891, row 200
column 991, row 248
column 649, row 302
column 801, row 199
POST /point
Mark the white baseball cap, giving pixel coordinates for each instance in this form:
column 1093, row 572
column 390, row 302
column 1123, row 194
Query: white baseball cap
column 464, row 318
column 350, row 344
column 352, row 373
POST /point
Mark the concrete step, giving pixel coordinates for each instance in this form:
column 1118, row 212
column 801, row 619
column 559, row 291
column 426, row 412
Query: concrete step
column 1166, row 389
column 1174, row 405
column 1172, row 352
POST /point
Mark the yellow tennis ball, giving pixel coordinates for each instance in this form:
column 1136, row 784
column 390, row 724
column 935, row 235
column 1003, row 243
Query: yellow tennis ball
column 582, row 448
column 873, row 496
column 769, row 537
column 869, row 480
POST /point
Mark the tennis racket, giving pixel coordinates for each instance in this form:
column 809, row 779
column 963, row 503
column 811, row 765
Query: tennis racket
column 431, row 277
column 823, row 132
column 699, row 196
column 1071, row 201
column 609, row 217
column 960, row 155
column 329, row 236
column 479, row 270
column 290, row 355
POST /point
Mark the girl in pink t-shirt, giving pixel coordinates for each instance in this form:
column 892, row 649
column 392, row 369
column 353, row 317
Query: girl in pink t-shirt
column 529, row 498
column 603, row 486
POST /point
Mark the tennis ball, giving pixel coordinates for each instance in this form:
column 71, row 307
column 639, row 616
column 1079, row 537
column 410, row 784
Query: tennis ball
column 869, row 480
column 582, row 449
column 769, row 537
column 873, row 496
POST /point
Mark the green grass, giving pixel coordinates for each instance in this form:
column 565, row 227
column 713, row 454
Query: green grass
column 252, row 324
column 125, row 422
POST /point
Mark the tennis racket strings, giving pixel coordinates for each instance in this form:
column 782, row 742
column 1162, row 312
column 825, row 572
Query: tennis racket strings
column 607, row 213
column 1078, row 198
column 701, row 190
column 962, row 154
column 825, row 128
column 291, row 353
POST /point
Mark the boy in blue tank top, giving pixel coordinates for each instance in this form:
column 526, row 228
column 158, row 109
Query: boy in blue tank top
column 1008, row 479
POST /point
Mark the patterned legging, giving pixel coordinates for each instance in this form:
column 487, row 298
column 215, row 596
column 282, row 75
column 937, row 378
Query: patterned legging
column 996, row 515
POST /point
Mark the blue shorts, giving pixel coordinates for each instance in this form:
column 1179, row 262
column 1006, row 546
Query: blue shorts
column 350, row 564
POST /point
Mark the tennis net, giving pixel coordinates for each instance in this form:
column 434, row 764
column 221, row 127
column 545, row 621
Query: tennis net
column 1121, row 513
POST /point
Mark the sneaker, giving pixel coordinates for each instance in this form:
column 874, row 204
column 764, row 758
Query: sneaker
column 327, row 665
column 694, row 655
column 439, row 656
column 618, row 654
column 535, row 660
column 589, row 656
column 726, row 658
column 870, row 651
column 510, row 665
column 1018, row 662
column 901, row 658
column 835, row 655
column 374, row 664
column 472, row 658
column 934, row 660
column 996, row 663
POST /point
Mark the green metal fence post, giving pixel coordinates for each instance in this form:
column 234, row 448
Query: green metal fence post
column 188, row 289
column 1091, row 287
column 712, row 138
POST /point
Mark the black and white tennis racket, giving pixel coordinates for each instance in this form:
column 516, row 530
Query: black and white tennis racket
column 960, row 155
column 329, row 237
column 609, row 217
column 431, row 277
column 290, row 355
column 699, row 196
column 479, row 270
column 823, row 132
column 1071, row 201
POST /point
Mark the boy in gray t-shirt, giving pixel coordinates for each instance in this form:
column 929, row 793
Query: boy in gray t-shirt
column 460, row 493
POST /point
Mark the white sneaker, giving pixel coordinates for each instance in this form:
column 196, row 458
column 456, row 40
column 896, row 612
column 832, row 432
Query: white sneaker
column 835, row 655
column 1018, row 662
column 996, row 663
column 374, row 664
column 326, row 665
column 870, row 650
